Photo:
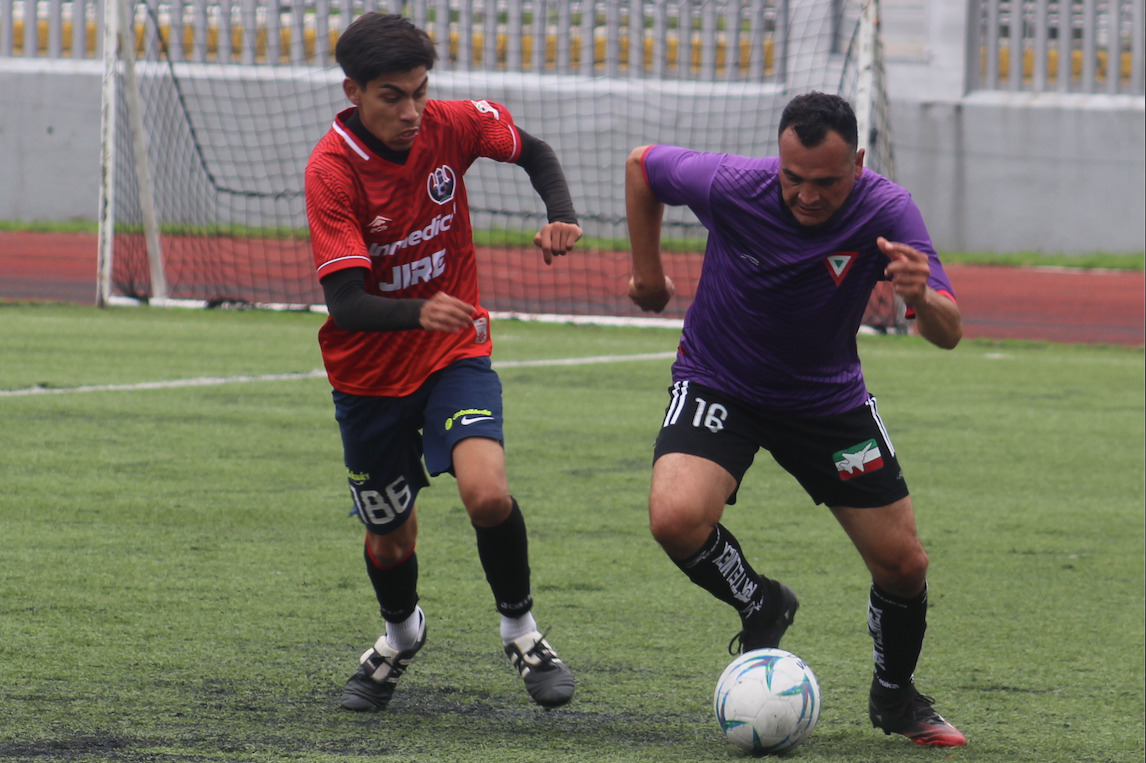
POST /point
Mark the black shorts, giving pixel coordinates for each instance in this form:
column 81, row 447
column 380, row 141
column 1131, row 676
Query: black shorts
column 844, row 459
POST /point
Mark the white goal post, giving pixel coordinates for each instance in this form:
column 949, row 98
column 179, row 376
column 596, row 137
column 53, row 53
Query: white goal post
column 211, row 107
column 118, row 34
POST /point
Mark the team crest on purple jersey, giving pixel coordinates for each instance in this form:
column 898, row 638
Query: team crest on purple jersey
column 839, row 263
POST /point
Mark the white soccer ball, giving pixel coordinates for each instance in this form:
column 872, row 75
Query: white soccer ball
column 767, row 701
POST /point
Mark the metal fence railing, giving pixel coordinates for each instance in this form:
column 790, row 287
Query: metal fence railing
column 701, row 39
column 1065, row 46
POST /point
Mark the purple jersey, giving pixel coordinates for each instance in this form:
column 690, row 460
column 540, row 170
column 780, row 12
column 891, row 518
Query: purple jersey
column 778, row 305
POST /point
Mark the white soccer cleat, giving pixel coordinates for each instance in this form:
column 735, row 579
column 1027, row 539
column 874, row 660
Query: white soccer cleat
column 547, row 679
column 372, row 685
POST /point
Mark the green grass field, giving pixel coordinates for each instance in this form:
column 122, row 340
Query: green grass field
column 181, row 581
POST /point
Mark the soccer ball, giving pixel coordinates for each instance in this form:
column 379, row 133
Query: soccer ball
column 767, row 701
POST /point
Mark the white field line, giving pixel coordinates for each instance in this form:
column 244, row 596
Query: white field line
column 212, row 381
column 584, row 361
column 576, row 320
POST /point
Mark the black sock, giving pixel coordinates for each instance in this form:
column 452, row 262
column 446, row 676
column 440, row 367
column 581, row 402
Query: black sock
column 721, row 569
column 504, row 554
column 396, row 587
column 896, row 626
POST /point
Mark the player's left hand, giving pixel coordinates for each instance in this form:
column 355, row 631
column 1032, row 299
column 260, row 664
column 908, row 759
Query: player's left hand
column 557, row 239
column 650, row 298
column 908, row 270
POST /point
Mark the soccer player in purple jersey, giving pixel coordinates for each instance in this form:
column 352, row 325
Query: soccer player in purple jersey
column 768, row 359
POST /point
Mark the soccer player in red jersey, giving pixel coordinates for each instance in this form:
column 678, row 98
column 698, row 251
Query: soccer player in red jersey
column 407, row 345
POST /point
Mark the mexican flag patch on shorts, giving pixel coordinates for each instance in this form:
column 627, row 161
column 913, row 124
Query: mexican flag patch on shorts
column 858, row 459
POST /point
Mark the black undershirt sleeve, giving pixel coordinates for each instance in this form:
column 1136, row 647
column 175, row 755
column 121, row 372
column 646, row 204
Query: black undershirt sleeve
column 544, row 170
column 352, row 309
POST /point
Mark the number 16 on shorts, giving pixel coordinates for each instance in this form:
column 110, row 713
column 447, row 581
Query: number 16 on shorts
column 711, row 416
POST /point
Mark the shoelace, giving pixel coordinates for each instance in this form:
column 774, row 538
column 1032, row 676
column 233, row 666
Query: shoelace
column 924, row 709
column 919, row 707
column 541, row 652
column 541, row 649
column 738, row 640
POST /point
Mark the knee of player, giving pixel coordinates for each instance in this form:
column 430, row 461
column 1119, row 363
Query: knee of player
column 916, row 565
column 671, row 527
column 487, row 507
column 905, row 575
column 387, row 551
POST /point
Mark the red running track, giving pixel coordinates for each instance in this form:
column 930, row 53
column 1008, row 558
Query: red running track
column 1041, row 304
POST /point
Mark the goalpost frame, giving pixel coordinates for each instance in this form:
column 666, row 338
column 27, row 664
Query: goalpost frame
column 870, row 83
column 119, row 40
column 127, row 88
column 107, row 197
column 869, row 80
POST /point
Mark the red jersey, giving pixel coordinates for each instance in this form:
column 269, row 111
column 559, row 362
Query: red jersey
column 409, row 225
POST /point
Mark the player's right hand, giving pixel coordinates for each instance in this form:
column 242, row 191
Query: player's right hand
column 442, row 312
column 908, row 270
column 651, row 298
column 557, row 239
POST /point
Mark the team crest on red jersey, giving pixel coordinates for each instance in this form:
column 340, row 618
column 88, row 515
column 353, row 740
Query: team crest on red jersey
column 441, row 184
column 839, row 263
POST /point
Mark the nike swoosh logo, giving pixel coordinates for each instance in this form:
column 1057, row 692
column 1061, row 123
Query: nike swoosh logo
column 467, row 420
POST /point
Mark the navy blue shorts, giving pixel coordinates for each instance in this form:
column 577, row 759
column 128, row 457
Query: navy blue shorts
column 384, row 439
column 841, row 460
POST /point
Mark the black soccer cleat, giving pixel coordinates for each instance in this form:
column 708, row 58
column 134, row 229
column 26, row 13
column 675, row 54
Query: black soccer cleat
column 767, row 635
column 547, row 679
column 372, row 685
column 907, row 712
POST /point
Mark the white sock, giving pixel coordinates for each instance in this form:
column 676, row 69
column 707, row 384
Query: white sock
column 404, row 635
column 513, row 628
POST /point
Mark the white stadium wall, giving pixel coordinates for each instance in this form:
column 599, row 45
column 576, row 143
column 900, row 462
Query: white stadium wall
column 1001, row 171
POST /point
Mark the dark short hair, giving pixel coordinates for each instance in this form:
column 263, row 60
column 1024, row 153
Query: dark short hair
column 813, row 114
column 382, row 43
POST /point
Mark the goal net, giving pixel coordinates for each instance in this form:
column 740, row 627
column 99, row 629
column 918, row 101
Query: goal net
column 211, row 108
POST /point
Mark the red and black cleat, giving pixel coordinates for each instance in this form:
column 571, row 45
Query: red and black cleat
column 907, row 712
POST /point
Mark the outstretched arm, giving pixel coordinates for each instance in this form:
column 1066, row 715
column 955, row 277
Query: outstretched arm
column 353, row 309
column 558, row 236
column 937, row 317
column 649, row 287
